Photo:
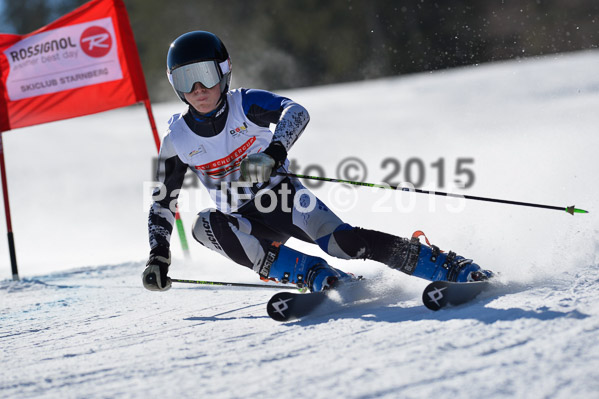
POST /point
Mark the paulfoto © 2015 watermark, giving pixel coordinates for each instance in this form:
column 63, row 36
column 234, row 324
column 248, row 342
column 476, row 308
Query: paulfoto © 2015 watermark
column 340, row 197
column 414, row 171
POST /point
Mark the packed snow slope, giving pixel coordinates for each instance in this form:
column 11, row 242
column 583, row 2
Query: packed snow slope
column 80, row 324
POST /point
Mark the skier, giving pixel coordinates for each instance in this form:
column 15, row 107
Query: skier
column 224, row 138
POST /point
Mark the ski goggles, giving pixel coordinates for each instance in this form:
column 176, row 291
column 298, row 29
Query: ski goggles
column 208, row 73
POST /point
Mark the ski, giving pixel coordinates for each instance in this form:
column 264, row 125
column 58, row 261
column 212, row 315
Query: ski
column 439, row 294
column 285, row 306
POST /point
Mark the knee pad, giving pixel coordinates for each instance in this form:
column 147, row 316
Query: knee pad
column 203, row 231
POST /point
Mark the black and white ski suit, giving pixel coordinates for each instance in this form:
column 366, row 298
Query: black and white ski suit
column 249, row 218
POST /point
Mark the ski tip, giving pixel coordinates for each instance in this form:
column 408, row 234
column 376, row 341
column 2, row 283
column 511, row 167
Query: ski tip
column 572, row 210
column 439, row 294
column 280, row 306
column 433, row 296
column 287, row 306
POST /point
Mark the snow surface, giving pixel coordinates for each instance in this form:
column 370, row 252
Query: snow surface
column 79, row 323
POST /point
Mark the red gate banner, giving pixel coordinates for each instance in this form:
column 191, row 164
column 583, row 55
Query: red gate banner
column 83, row 63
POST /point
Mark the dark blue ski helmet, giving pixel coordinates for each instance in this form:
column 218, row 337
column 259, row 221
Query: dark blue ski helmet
column 198, row 56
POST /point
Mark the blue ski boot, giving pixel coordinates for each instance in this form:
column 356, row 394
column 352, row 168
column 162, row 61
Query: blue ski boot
column 409, row 256
column 428, row 262
column 286, row 265
column 433, row 265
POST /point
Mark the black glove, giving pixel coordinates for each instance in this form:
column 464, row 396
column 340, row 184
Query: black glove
column 155, row 277
column 276, row 150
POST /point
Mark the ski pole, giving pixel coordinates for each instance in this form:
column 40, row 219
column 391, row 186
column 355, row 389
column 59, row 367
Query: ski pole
column 570, row 209
column 226, row 284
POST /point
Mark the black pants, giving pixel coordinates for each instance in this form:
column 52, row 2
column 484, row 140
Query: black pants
column 291, row 210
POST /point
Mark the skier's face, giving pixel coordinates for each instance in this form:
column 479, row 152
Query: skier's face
column 203, row 99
